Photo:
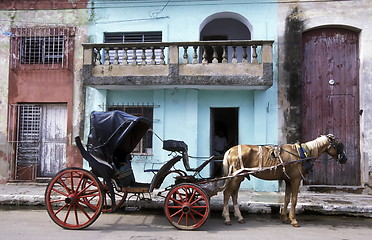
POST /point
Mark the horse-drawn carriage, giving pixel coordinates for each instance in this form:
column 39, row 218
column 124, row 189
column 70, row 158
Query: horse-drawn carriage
column 76, row 197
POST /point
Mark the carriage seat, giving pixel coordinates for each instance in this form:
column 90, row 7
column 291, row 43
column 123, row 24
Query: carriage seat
column 174, row 146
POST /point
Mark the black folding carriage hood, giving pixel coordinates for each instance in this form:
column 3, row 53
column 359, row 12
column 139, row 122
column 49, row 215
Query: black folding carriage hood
column 114, row 134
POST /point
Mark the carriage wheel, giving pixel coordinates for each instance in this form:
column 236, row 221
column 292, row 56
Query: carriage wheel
column 107, row 203
column 187, row 206
column 74, row 198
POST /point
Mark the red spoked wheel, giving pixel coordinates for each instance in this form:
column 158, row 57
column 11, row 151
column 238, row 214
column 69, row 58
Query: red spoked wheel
column 187, row 206
column 74, row 198
column 120, row 198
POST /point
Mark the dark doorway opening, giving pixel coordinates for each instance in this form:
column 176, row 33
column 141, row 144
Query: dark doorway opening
column 224, row 122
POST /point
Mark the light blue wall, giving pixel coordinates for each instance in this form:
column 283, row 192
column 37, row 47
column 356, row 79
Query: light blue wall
column 184, row 114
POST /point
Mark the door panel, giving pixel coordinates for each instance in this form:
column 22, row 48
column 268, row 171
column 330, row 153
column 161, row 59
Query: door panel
column 53, row 139
column 331, row 101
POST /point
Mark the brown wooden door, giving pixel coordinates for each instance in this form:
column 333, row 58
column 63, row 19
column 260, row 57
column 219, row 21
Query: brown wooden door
column 331, row 101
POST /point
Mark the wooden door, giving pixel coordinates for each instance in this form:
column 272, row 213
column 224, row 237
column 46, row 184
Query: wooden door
column 331, row 101
column 53, row 139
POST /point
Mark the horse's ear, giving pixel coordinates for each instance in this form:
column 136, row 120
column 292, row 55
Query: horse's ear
column 331, row 137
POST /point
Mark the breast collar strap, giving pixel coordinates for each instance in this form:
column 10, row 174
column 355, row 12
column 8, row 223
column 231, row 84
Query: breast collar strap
column 303, row 152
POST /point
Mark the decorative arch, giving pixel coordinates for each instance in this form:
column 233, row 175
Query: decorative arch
column 334, row 26
column 222, row 15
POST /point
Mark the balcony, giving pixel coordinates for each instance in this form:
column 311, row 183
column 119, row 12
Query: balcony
column 203, row 64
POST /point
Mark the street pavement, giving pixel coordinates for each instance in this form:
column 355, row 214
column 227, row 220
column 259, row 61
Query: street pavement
column 334, row 203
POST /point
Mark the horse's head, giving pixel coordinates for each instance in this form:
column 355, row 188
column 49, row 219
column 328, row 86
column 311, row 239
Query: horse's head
column 336, row 149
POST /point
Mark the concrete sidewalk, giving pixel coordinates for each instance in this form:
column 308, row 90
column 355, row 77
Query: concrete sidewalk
column 32, row 194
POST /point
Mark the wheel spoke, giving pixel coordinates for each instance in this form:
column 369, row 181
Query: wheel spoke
column 176, row 201
column 60, row 192
column 198, row 213
column 67, row 213
column 76, row 215
column 181, row 217
column 176, row 213
column 83, row 211
column 193, row 217
column 60, row 209
column 63, row 184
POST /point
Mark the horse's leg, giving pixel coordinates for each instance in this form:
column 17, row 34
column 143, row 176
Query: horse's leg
column 295, row 185
column 237, row 212
column 225, row 211
column 287, row 198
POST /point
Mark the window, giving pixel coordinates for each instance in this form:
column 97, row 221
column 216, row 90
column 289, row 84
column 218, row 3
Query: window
column 41, row 48
column 122, row 37
column 134, row 37
column 144, row 147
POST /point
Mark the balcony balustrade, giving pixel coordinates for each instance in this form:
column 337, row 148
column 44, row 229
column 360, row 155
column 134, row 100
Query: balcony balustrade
column 202, row 64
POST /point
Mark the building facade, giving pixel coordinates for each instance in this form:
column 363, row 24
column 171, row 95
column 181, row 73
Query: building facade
column 261, row 72
column 41, row 59
column 195, row 68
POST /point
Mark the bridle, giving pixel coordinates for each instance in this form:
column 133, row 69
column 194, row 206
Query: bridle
column 339, row 146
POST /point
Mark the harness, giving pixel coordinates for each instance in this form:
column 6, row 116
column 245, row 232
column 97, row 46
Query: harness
column 303, row 153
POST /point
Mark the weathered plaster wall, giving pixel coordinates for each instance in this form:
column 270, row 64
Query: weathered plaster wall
column 4, row 73
column 76, row 18
column 356, row 15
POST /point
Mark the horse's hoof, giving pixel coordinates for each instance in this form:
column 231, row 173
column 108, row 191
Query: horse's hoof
column 241, row 221
column 295, row 224
column 228, row 223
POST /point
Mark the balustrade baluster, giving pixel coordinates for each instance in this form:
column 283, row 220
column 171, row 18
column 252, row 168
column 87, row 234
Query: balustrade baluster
column 107, row 56
column 215, row 54
column 143, row 57
column 205, row 55
column 116, row 56
column 224, row 54
column 195, row 57
column 185, row 55
column 254, row 54
column 97, row 58
column 162, row 56
column 125, row 56
column 134, row 58
column 234, row 60
column 152, row 62
column 245, row 55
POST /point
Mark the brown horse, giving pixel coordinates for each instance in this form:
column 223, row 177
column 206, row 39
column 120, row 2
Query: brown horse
column 288, row 162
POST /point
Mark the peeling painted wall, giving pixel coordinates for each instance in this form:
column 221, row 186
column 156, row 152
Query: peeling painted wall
column 69, row 17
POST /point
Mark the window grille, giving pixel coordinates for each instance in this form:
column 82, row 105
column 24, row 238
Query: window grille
column 28, row 134
column 24, row 134
column 41, row 48
column 134, row 37
column 144, row 147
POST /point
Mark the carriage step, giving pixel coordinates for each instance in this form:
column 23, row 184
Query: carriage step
column 137, row 188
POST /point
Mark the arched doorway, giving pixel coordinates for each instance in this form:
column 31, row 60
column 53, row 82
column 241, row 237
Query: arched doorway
column 331, row 100
column 224, row 26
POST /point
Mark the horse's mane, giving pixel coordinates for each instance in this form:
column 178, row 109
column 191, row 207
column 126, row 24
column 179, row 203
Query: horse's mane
column 315, row 145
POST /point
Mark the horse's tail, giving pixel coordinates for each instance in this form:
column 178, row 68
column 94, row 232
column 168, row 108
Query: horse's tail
column 226, row 172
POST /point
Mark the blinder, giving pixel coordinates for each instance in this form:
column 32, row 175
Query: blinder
column 339, row 146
